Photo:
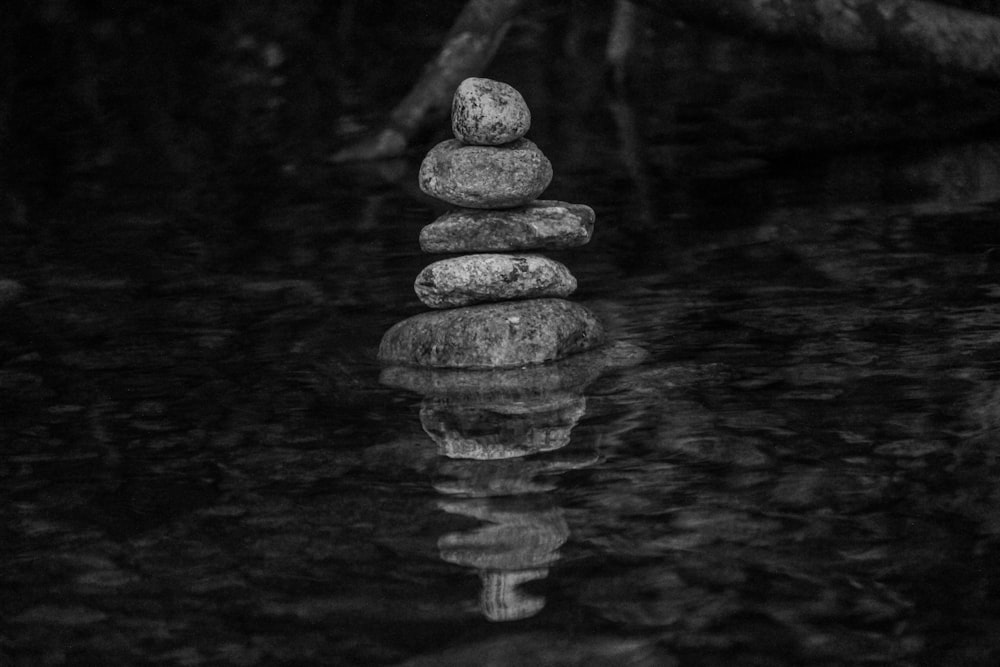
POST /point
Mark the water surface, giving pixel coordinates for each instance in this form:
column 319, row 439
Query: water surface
column 800, row 466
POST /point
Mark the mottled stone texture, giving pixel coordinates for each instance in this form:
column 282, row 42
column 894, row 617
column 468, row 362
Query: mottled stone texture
column 488, row 113
column 494, row 335
column 543, row 224
column 470, row 279
column 485, row 176
column 528, row 383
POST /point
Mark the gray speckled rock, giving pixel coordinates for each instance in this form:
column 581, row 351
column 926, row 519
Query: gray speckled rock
column 488, row 113
column 469, row 279
column 485, row 176
column 494, row 335
column 543, row 224
column 524, row 384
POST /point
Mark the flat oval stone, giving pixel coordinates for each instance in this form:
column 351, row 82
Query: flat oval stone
column 493, row 335
column 488, row 113
column 485, row 176
column 543, row 224
column 469, row 279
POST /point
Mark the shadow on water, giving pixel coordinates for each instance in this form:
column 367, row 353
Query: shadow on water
column 787, row 457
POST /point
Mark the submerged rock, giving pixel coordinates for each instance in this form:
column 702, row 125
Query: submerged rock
column 495, row 335
column 541, row 224
column 463, row 281
column 573, row 373
column 488, row 113
column 485, row 176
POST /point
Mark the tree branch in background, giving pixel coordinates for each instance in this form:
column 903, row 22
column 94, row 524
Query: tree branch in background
column 621, row 40
column 626, row 28
column 467, row 51
column 916, row 31
column 927, row 33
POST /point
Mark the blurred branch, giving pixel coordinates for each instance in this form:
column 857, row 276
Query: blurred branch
column 626, row 29
column 917, row 31
column 621, row 39
column 467, row 50
column 927, row 33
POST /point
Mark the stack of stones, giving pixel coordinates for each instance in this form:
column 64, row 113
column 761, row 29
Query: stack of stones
column 497, row 307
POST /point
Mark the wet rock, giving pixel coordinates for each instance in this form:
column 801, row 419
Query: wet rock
column 488, row 113
column 485, row 176
column 540, row 225
column 463, row 281
column 495, row 335
column 576, row 372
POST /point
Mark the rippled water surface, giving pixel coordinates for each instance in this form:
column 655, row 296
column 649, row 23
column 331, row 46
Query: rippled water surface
column 792, row 461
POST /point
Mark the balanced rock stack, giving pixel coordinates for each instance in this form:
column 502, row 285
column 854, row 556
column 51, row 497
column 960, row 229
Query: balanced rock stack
column 498, row 307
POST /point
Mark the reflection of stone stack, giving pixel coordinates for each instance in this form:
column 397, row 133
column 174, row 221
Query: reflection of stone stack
column 490, row 480
column 515, row 546
column 501, row 429
column 496, row 360
column 498, row 307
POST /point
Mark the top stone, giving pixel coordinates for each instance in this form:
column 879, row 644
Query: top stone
column 488, row 113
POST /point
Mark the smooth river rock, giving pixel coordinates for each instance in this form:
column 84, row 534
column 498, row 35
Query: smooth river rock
column 494, row 335
column 485, row 176
column 470, row 279
column 544, row 224
column 488, row 113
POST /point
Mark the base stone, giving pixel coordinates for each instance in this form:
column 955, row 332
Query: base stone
column 528, row 383
column 495, row 335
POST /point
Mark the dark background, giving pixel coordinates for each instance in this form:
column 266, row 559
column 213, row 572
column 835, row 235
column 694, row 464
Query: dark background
column 222, row 104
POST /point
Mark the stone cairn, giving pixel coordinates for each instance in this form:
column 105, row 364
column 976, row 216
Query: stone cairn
column 501, row 306
column 496, row 358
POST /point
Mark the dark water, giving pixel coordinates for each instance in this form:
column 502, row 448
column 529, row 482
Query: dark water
column 202, row 467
